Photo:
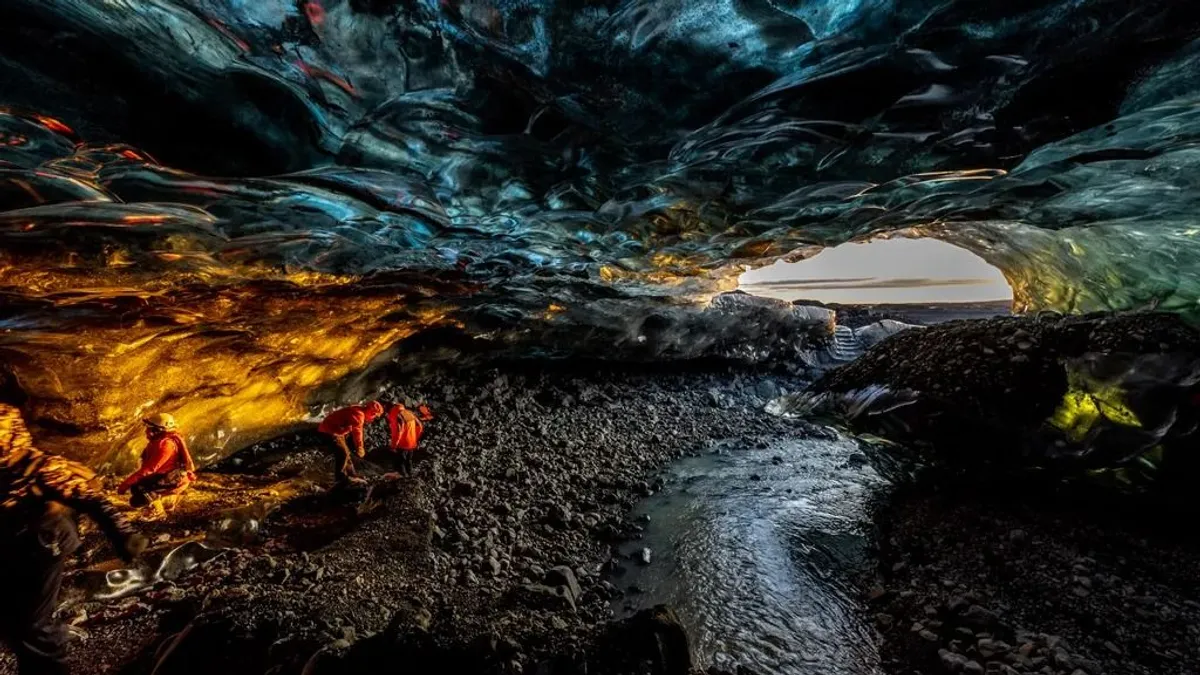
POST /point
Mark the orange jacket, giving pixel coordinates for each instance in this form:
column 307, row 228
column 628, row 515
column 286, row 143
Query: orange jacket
column 348, row 421
column 405, row 427
column 162, row 455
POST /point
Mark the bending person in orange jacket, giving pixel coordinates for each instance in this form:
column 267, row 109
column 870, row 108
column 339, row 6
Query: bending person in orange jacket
column 167, row 466
column 406, row 430
column 349, row 422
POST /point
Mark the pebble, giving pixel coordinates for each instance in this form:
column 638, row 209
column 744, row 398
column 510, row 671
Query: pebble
column 979, row 616
column 957, row 604
column 952, row 662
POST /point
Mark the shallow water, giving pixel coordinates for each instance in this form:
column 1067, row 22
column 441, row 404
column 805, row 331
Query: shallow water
column 753, row 549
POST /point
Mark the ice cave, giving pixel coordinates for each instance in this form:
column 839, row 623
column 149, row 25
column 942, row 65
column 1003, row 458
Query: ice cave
column 249, row 212
column 303, row 189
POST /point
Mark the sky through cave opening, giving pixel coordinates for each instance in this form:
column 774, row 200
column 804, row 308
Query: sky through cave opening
column 884, row 271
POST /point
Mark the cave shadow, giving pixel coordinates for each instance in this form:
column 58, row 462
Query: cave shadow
column 1161, row 514
column 312, row 522
column 323, row 512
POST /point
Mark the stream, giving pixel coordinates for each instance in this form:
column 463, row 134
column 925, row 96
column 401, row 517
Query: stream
column 754, row 547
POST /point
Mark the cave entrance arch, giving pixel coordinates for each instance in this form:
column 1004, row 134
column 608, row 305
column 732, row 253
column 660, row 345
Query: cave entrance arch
column 886, row 271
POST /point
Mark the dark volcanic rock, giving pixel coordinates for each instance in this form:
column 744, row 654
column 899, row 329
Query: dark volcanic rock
column 1097, row 584
column 997, row 389
column 547, row 597
column 564, row 577
column 651, row 641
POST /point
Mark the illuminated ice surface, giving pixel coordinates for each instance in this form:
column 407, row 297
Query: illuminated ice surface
column 528, row 170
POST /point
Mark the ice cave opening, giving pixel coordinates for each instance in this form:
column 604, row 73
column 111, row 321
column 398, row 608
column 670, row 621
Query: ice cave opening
column 887, row 271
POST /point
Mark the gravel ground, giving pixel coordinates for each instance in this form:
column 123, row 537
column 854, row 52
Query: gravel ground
column 987, row 566
column 503, row 538
column 494, row 558
column 988, row 579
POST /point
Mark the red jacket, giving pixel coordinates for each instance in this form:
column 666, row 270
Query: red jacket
column 405, row 427
column 163, row 455
column 347, row 421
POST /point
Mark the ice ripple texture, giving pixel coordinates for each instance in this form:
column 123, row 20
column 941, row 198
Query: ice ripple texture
column 214, row 206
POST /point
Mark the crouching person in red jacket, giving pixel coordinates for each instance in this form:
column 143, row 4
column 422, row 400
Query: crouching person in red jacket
column 349, row 422
column 406, row 431
column 167, row 466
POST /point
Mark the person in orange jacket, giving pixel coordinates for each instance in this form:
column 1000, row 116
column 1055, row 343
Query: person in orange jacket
column 406, row 429
column 349, row 422
column 167, row 467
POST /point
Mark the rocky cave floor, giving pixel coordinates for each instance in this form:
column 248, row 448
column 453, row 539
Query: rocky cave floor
column 497, row 556
column 989, row 577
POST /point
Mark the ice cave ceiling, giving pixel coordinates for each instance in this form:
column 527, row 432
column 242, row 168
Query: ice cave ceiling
column 540, row 168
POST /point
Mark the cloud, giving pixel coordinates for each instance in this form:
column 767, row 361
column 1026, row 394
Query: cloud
column 865, row 283
column 805, row 282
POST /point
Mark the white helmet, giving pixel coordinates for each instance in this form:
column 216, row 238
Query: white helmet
column 162, row 421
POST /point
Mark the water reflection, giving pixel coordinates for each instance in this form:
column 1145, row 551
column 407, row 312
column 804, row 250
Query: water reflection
column 753, row 547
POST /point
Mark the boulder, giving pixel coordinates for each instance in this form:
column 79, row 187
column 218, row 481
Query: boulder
column 555, row 598
column 563, row 577
column 874, row 333
column 767, row 390
column 651, row 642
